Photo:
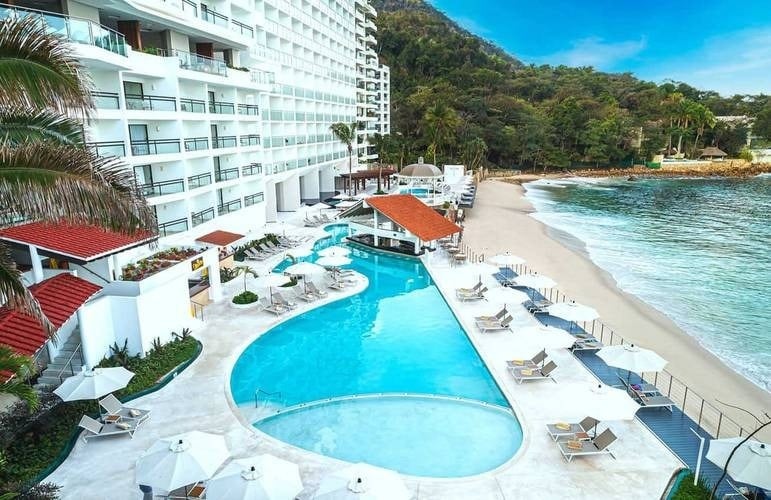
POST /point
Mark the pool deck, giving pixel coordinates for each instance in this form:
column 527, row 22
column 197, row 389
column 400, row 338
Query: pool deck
column 199, row 399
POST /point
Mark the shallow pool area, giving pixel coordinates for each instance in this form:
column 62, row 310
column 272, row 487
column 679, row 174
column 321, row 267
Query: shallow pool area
column 414, row 191
column 397, row 336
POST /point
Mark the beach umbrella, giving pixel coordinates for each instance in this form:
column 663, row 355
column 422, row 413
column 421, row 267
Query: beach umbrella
column 506, row 260
column 546, row 337
column 750, row 464
column 505, row 296
column 535, row 281
column 573, row 312
column 334, row 251
column 299, row 253
column 305, row 269
column 362, row 482
column 181, row 460
column 333, row 261
column 274, row 279
column 603, row 403
column 632, row 358
column 93, row 384
column 263, row 477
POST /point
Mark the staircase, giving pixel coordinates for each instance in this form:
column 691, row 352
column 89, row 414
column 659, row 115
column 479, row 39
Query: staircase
column 67, row 363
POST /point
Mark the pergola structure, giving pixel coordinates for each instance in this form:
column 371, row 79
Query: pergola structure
column 359, row 179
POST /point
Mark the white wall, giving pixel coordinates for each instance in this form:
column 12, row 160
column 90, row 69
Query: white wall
column 62, row 336
column 163, row 310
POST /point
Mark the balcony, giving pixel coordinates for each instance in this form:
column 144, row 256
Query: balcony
column 242, row 28
column 106, row 100
column 228, row 141
column 155, row 147
column 200, row 180
column 213, row 17
column 74, row 29
column 162, row 188
column 222, row 108
column 205, row 215
column 226, row 174
column 150, row 102
column 251, row 169
column 202, row 64
column 250, row 140
column 252, row 199
column 190, row 6
column 172, row 227
column 196, row 144
column 248, row 109
column 228, row 207
column 192, row 105
column 108, row 148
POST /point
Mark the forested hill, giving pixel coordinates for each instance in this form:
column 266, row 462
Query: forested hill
column 457, row 98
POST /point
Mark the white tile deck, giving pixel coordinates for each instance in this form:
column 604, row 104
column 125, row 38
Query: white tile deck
column 199, row 400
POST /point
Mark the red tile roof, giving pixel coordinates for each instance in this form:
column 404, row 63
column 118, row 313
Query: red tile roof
column 220, row 238
column 414, row 216
column 81, row 242
column 60, row 297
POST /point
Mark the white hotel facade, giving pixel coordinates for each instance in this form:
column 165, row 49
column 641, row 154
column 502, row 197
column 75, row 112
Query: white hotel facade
column 222, row 108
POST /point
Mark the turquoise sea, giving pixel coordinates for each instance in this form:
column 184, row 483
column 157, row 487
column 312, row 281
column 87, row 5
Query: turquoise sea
column 699, row 250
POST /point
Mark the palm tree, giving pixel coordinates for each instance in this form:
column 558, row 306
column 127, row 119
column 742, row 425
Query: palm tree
column 21, row 368
column 347, row 135
column 441, row 122
column 46, row 171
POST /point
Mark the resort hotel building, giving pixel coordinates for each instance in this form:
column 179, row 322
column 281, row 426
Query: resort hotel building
column 223, row 110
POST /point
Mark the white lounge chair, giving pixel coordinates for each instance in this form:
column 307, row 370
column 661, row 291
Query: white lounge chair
column 276, row 309
column 303, row 295
column 525, row 374
column 494, row 326
column 597, row 446
column 113, row 406
column 279, row 299
column 562, row 430
column 496, row 317
column 533, row 362
column 97, row 429
column 469, row 290
column 477, row 295
column 312, row 288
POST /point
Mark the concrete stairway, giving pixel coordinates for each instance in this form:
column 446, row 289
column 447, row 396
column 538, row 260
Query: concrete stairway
column 49, row 378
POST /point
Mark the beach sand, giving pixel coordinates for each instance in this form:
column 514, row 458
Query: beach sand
column 500, row 222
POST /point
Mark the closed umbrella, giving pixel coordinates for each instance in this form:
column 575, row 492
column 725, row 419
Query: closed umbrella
column 263, row 477
column 362, row 482
column 181, row 460
column 750, row 464
column 93, row 384
column 632, row 358
column 334, row 251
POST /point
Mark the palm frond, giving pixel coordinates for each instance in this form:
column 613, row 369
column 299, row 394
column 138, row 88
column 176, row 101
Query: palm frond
column 13, row 362
column 17, row 296
column 19, row 125
column 39, row 69
column 54, row 182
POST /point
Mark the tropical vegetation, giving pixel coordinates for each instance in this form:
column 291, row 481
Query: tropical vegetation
column 458, row 99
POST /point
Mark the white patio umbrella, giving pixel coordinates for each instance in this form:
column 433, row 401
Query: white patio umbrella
column 573, row 312
column 632, row 358
column 603, row 403
column 546, row 337
column 334, row 251
column 751, row 464
column 503, row 295
column 506, row 259
column 299, row 253
column 305, row 269
column 274, row 279
column 181, row 460
column 535, row 281
column 93, row 384
column 362, row 482
column 263, row 477
column 333, row 261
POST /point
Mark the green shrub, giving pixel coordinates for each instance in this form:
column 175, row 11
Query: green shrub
column 228, row 274
column 247, row 297
column 686, row 490
column 745, row 154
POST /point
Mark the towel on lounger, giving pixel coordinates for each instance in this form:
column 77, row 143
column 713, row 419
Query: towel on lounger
column 134, row 413
column 526, row 372
column 575, row 445
column 123, row 425
column 562, row 426
column 517, row 362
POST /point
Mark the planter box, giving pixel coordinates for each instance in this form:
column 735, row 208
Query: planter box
column 244, row 306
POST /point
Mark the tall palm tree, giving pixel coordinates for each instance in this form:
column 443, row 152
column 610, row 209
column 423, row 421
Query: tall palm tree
column 46, row 171
column 441, row 122
column 346, row 134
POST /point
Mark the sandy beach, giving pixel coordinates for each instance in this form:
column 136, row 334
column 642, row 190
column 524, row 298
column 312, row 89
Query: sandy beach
column 500, row 222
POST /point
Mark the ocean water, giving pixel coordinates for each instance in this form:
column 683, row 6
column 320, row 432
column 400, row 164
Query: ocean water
column 699, row 250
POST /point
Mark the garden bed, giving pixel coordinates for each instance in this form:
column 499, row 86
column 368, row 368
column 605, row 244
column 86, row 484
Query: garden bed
column 157, row 262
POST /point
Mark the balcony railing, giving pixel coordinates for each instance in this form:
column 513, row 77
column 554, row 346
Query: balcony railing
column 199, row 218
column 250, row 140
column 214, row 17
column 172, row 227
column 108, row 148
column 251, row 199
column 155, row 147
column 196, row 181
column 228, row 207
column 163, row 187
column 242, row 28
column 251, row 169
column 222, row 108
column 203, row 64
column 226, row 175
column 228, row 141
column 192, row 105
column 106, row 100
column 151, row 102
column 74, row 29
column 189, row 6
column 196, row 143
column 248, row 109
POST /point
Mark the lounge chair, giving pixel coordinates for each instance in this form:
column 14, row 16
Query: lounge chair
column 254, row 255
column 469, row 290
column 494, row 326
column 312, row 288
column 279, row 299
column 276, row 309
column 597, row 446
column 533, row 362
column 524, row 374
column 337, row 285
column 478, row 295
column 537, row 306
column 586, row 342
column 304, row 295
column 497, row 317
column 114, row 407
column 97, row 429
column 655, row 401
column 563, row 430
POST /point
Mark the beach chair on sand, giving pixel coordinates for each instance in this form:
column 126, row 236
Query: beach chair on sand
column 97, row 429
column 496, row 317
column 597, row 446
column 114, row 407
column 525, row 374
column 477, row 295
column 494, row 326
column 572, row 431
column 533, row 362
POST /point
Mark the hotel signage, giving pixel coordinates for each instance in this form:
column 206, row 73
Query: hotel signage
column 196, row 263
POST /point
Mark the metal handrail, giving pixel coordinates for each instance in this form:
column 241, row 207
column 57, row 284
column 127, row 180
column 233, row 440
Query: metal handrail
column 197, row 308
column 68, row 363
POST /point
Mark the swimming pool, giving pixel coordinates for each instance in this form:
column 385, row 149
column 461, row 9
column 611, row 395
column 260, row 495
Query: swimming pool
column 418, row 192
column 397, row 337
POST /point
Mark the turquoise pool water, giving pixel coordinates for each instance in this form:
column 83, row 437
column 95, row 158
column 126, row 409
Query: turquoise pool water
column 397, row 336
column 418, row 192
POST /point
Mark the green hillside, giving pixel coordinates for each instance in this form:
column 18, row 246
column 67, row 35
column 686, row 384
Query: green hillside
column 458, row 98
